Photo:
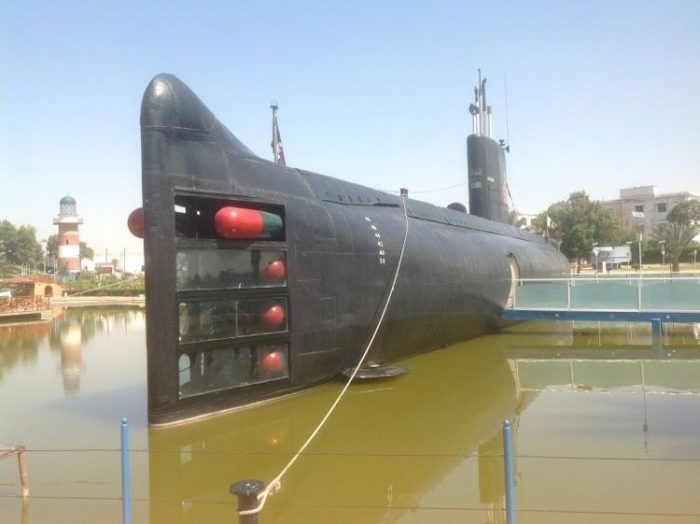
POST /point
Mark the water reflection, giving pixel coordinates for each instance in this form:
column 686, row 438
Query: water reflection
column 491, row 478
column 66, row 333
column 425, row 447
column 401, row 447
column 388, row 446
column 19, row 345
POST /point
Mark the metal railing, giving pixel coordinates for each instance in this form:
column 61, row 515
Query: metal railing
column 23, row 304
column 632, row 293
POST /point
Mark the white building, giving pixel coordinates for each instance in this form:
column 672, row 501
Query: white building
column 643, row 207
column 125, row 262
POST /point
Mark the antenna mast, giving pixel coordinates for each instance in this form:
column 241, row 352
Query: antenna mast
column 481, row 113
column 505, row 85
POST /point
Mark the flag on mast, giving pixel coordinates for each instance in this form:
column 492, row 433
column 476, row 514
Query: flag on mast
column 277, row 149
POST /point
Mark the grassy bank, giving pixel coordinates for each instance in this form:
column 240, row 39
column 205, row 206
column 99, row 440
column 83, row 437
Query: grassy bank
column 107, row 285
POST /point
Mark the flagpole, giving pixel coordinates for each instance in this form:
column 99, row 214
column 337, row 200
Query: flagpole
column 277, row 149
column 274, row 107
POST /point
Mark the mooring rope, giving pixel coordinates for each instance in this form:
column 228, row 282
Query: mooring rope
column 123, row 281
column 276, row 483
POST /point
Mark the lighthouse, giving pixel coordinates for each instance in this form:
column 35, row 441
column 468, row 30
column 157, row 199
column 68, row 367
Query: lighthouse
column 68, row 236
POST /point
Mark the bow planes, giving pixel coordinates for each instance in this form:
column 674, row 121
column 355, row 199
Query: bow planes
column 262, row 279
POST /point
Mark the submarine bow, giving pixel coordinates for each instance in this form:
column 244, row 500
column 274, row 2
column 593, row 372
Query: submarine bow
column 263, row 279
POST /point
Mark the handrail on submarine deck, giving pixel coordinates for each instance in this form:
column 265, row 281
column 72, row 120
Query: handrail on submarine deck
column 631, row 298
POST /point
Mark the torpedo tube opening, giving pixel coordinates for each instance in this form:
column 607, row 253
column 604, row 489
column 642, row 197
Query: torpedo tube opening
column 211, row 218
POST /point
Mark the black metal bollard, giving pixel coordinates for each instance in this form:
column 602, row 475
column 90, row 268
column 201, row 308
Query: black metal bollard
column 247, row 492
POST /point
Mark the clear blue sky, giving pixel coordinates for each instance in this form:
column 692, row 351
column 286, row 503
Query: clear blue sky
column 602, row 95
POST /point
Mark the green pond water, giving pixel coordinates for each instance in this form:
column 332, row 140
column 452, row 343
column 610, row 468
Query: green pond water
column 605, row 430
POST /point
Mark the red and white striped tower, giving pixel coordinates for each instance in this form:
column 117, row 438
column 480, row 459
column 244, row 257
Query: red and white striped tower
column 68, row 236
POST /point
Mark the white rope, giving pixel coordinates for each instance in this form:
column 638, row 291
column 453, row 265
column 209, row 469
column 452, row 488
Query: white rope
column 123, row 281
column 276, row 483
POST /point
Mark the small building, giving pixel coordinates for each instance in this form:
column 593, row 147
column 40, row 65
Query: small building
column 604, row 258
column 31, row 287
column 27, row 299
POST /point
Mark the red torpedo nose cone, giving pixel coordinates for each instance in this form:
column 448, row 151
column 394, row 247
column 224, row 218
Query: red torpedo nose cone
column 135, row 222
column 274, row 271
column 272, row 361
column 272, row 317
column 238, row 222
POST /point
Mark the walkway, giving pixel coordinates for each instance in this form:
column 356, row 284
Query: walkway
column 634, row 298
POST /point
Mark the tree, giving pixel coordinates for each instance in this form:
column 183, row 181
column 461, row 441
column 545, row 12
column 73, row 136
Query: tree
column 515, row 220
column 686, row 212
column 52, row 246
column 539, row 225
column 682, row 227
column 576, row 223
column 18, row 247
column 86, row 251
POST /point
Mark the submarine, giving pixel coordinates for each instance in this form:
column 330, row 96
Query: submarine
column 263, row 279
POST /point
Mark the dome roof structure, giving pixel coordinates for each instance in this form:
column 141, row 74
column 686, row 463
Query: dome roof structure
column 67, row 200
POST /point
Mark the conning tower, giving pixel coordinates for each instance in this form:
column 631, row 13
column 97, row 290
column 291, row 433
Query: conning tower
column 486, row 163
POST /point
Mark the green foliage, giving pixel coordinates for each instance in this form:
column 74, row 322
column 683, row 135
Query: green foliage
column 18, row 247
column 539, row 224
column 576, row 223
column 677, row 238
column 52, row 246
column 92, row 284
column 514, row 219
column 686, row 212
column 683, row 225
column 86, row 251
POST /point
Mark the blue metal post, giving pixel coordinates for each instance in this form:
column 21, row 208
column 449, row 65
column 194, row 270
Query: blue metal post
column 508, row 469
column 656, row 333
column 126, row 488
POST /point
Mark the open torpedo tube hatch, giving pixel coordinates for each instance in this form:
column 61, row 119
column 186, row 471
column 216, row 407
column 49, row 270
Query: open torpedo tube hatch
column 231, row 296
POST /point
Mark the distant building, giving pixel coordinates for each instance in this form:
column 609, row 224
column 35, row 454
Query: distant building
column 642, row 207
column 68, row 235
column 120, row 262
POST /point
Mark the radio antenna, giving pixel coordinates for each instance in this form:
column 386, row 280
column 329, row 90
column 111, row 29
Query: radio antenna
column 505, row 85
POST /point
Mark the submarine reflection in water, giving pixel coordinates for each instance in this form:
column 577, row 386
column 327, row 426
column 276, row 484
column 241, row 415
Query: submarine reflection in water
column 388, row 446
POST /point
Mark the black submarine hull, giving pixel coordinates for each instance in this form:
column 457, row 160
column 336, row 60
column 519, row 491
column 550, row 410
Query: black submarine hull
column 221, row 335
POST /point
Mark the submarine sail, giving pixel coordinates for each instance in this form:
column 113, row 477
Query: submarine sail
column 487, row 163
column 262, row 279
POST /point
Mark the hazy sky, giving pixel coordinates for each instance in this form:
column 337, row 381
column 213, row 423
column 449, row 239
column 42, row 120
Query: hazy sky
column 601, row 95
